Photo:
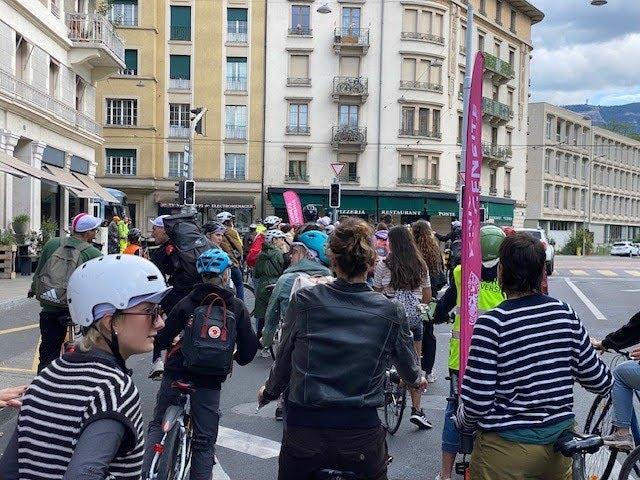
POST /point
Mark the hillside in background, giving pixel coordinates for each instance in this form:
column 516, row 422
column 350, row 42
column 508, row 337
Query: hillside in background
column 614, row 115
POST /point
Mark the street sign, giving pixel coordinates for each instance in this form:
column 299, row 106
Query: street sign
column 337, row 168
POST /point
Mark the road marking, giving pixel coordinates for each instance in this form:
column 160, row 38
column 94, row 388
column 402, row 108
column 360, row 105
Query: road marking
column 607, row 273
column 579, row 273
column 36, row 355
column 218, row 472
column 635, row 273
column 17, row 370
column 632, row 290
column 19, row 329
column 596, row 313
column 246, row 443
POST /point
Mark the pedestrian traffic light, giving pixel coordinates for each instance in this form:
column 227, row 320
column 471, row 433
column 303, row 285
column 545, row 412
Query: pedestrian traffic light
column 180, row 192
column 334, row 195
column 189, row 192
column 197, row 118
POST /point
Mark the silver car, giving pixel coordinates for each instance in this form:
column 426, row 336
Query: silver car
column 548, row 245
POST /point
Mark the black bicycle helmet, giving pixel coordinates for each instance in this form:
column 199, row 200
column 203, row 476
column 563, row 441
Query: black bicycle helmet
column 310, row 213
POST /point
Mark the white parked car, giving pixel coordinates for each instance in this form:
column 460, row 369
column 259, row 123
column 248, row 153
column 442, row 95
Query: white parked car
column 548, row 246
column 625, row 249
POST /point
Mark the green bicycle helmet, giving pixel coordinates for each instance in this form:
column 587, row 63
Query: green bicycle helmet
column 491, row 238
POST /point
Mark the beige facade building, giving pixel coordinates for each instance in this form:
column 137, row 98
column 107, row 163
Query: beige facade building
column 575, row 168
column 377, row 87
column 183, row 54
column 52, row 53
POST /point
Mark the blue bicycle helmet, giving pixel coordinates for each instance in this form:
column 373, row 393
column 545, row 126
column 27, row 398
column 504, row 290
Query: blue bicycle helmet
column 315, row 241
column 213, row 262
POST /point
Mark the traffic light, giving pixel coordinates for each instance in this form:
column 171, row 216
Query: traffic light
column 195, row 116
column 189, row 192
column 180, row 190
column 334, row 195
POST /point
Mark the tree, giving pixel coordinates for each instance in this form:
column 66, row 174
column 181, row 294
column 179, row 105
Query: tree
column 623, row 128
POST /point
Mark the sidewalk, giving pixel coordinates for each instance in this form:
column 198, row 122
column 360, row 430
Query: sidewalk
column 13, row 292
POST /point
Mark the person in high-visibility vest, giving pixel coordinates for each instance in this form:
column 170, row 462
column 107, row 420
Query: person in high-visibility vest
column 489, row 296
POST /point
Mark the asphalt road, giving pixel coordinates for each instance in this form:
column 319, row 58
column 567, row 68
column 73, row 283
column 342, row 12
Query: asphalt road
column 601, row 290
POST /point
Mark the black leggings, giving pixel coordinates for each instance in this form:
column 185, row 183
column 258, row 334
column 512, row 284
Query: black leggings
column 428, row 348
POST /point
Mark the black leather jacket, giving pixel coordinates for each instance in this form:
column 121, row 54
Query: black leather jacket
column 336, row 341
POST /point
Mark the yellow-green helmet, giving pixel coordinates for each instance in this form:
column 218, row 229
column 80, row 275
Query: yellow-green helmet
column 491, row 238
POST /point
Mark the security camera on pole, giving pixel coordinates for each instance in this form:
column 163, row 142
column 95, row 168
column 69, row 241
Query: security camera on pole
column 335, row 190
column 189, row 187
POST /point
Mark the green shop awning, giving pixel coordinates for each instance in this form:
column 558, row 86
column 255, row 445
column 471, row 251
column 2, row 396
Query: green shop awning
column 317, row 199
column 500, row 213
column 357, row 205
column 401, row 205
column 442, row 207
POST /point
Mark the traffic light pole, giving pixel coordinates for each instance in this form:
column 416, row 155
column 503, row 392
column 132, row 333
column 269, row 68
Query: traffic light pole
column 200, row 112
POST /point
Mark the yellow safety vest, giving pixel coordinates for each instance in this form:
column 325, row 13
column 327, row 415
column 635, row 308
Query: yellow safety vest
column 489, row 297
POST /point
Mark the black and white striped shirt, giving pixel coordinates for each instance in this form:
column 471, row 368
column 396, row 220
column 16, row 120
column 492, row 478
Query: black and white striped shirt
column 525, row 356
column 68, row 395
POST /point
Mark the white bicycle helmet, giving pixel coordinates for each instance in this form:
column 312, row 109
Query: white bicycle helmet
column 272, row 222
column 224, row 217
column 112, row 282
column 271, row 235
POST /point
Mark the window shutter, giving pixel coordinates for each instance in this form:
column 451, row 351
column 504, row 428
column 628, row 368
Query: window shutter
column 350, row 66
column 180, row 16
column 424, row 21
column 299, row 67
column 131, row 59
column 409, row 20
column 90, row 100
column 237, row 14
column 409, row 69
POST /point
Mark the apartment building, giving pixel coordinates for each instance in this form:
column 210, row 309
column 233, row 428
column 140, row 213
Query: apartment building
column 565, row 149
column 51, row 55
column 183, row 54
column 377, row 87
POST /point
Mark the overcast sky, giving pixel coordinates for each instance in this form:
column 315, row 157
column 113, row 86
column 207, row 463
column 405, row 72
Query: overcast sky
column 584, row 52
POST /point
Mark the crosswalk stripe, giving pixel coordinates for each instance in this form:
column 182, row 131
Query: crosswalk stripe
column 246, row 443
column 218, row 472
column 607, row 273
column 635, row 273
column 579, row 273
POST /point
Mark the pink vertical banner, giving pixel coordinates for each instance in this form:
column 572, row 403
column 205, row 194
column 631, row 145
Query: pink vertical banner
column 294, row 207
column 471, row 255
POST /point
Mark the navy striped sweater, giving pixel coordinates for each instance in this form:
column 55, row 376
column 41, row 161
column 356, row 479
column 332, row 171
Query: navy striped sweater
column 525, row 356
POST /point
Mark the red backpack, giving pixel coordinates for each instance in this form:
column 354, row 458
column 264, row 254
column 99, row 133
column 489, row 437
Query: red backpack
column 254, row 251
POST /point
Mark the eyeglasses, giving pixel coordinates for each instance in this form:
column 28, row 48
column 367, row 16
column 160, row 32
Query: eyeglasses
column 155, row 313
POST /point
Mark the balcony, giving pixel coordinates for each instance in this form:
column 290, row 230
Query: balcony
column 180, row 84
column 237, row 84
column 237, row 37
column 298, row 130
column 298, row 82
column 236, row 132
column 128, row 72
column 424, row 37
column 351, row 40
column 300, row 31
column 296, row 179
column 427, row 182
column 422, row 86
column 350, row 87
column 498, row 70
column 420, row 133
column 179, row 131
column 20, row 92
column 349, row 137
column 95, row 42
column 180, row 33
column 496, row 156
column 497, row 113
column 493, row 191
column 349, row 178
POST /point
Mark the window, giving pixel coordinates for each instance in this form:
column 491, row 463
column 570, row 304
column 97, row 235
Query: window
column 300, row 20
column 483, row 7
column 510, row 97
column 122, row 111
column 180, row 28
column 350, row 171
column 180, row 72
column 124, row 12
column 547, row 161
column 509, row 138
column 235, row 165
column 237, row 74
column 131, row 62
column 420, row 74
column 545, row 197
column 81, row 88
column 549, row 126
column 512, row 57
column 558, row 163
column 556, row 197
column 583, row 200
column 408, row 115
column 565, row 198
column 54, row 78
column 297, row 166
column 481, row 42
column 427, row 120
column 565, row 165
column 299, row 70
column 499, row 12
column 350, row 67
column 237, row 25
column 497, row 46
column 406, row 169
column 22, row 58
column 512, row 25
column 574, row 198
column 348, row 115
column 298, row 118
column 492, row 180
column 460, row 124
column 507, row 182
column 351, row 20
column 433, row 170
column 236, row 122
column 496, row 93
column 574, row 167
column 176, row 162
column 120, row 161
column 410, row 20
column 179, row 120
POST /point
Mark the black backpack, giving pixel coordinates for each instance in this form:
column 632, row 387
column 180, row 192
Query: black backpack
column 209, row 338
column 189, row 243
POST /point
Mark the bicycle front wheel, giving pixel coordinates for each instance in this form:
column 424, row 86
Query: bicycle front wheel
column 599, row 422
column 631, row 467
column 249, row 298
column 169, row 464
column 395, row 400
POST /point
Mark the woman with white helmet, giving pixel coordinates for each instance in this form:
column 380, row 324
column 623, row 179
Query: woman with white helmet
column 86, row 400
column 269, row 267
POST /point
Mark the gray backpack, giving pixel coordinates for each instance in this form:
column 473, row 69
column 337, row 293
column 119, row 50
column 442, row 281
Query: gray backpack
column 52, row 281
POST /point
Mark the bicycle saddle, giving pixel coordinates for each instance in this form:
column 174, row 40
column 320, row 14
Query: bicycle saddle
column 574, row 443
column 183, row 386
column 329, row 474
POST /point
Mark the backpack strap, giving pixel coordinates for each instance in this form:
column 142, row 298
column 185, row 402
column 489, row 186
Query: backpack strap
column 215, row 297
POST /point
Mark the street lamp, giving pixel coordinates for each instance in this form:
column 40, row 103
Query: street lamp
column 324, row 8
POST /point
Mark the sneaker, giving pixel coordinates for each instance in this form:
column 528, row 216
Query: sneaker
column 418, row 418
column 157, row 369
column 431, row 378
column 619, row 441
column 278, row 414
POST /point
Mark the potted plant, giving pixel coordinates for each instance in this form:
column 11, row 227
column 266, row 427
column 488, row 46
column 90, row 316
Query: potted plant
column 20, row 224
column 49, row 229
column 6, row 239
